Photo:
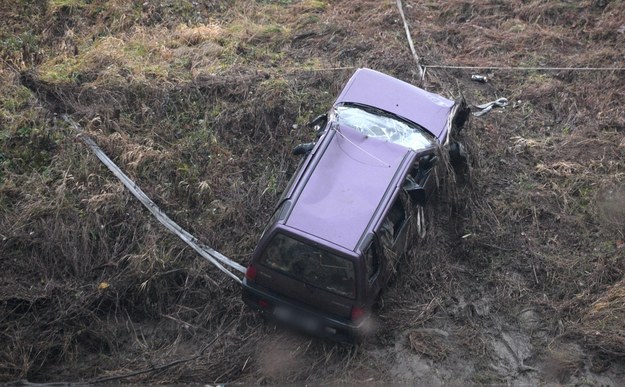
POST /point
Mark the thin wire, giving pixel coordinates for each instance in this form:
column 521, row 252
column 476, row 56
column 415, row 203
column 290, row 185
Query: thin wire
column 423, row 68
column 461, row 67
column 318, row 68
column 513, row 68
column 337, row 130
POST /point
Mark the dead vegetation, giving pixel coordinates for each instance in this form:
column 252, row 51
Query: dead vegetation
column 197, row 102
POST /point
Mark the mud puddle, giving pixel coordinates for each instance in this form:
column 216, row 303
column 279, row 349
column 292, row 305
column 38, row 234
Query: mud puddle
column 470, row 342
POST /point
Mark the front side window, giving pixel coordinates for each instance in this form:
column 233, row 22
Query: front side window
column 314, row 266
column 383, row 125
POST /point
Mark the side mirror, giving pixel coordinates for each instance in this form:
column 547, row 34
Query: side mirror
column 416, row 192
column 319, row 122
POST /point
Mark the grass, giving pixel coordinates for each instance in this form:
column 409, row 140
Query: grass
column 137, row 58
column 197, row 103
column 602, row 322
column 67, row 3
column 166, row 54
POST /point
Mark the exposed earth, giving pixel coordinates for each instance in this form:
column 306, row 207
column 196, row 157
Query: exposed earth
column 520, row 279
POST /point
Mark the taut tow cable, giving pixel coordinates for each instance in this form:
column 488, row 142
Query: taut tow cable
column 213, row 256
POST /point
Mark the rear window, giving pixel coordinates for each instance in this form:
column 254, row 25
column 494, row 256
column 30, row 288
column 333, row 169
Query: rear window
column 314, row 266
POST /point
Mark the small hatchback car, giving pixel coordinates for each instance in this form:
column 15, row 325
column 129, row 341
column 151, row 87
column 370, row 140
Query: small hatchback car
column 353, row 207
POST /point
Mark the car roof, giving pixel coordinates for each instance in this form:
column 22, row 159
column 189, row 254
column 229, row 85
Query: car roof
column 370, row 87
column 348, row 180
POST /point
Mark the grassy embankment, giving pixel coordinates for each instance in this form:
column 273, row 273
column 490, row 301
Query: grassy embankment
column 197, row 103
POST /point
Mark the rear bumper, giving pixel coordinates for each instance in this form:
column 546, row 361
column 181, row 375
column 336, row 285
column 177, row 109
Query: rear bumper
column 300, row 317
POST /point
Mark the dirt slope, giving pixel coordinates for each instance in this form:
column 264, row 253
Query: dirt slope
column 520, row 279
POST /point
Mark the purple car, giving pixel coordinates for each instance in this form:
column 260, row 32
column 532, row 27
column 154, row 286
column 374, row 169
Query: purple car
column 353, row 207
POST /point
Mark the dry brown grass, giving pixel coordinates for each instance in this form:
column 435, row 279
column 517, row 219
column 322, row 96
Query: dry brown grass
column 602, row 323
column 196, row 104
column 430, row 345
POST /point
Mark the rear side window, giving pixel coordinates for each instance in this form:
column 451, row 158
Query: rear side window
column 314, row 266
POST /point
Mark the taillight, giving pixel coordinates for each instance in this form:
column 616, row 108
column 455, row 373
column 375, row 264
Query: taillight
column 250, row 273
column 357, row 313
column 263, row 304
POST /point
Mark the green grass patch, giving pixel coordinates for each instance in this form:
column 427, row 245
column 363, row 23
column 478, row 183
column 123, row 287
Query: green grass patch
column 313, row 5
column 66, row 4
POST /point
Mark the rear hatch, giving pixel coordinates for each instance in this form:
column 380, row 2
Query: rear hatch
column 308, row 274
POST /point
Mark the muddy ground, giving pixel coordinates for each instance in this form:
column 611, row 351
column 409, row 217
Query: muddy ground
column 520, row 279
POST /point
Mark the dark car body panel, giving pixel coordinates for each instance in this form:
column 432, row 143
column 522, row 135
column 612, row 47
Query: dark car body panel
column 326, row 325
column 306, row 293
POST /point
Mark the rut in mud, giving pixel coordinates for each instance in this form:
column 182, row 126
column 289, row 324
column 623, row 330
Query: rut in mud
column 519, row 280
